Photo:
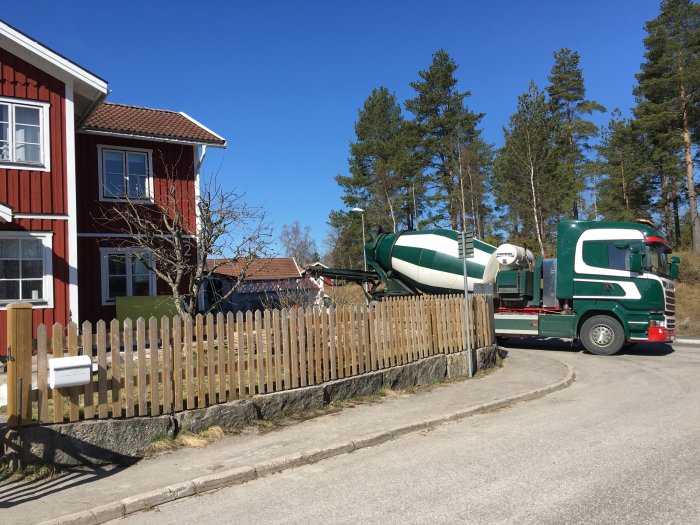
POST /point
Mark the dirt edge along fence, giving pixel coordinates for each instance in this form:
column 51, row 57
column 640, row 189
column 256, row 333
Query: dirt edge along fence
column 161, row 366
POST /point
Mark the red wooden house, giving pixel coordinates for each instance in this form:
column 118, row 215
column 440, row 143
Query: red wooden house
column 65, row 156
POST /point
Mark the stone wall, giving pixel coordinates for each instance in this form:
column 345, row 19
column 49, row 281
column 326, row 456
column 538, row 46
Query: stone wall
column 122, row 441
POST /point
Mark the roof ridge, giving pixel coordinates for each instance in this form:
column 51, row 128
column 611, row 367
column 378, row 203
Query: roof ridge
column 121, row 104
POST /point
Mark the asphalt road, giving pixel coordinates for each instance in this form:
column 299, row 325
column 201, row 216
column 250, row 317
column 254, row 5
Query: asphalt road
column 621, row 445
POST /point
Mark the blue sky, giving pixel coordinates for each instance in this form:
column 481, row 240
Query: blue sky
column 283, row 81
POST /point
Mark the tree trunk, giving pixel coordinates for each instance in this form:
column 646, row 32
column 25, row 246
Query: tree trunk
column 666, row 199
column 676, row 220
column 534, row 201
column 625, row 195
column 694, row 218
column 391, row 210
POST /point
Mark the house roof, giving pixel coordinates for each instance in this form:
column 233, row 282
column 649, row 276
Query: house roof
column 141, row 122
column 262, row 269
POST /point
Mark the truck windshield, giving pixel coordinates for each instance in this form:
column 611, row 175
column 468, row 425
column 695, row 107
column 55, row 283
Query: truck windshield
column 657, row 260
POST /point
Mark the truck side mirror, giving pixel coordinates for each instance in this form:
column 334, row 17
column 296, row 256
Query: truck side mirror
column 673, row 269
column 635, row 259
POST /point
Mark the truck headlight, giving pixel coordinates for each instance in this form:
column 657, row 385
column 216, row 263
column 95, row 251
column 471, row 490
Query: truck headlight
column 657, row 324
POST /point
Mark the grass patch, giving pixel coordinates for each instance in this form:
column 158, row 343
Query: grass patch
column 28, row 473
column 688, row 295
column 187, row 439
column 687, row 309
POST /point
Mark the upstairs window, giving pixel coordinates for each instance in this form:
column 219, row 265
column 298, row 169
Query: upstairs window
column 125, row 174
column 24, row 134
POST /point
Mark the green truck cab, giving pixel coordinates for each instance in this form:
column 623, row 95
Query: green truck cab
column 612, row 283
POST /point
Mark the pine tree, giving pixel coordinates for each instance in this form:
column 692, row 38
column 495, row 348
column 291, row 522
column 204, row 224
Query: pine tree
column 384, row 180
column 668, row 96
column 382, row 176
column 445, row 126
column 568, row 103
column 525, row 183
column 624, row 193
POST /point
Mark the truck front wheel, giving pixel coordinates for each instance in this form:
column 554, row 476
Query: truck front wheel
column 602, row 335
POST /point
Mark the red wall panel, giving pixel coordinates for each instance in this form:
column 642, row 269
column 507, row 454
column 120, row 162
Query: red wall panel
column 28, row 191
column 39, row 192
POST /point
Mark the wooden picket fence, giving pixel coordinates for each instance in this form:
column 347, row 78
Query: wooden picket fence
column 154, row 367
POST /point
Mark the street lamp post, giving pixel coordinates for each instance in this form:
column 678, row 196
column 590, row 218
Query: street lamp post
column 364, row 242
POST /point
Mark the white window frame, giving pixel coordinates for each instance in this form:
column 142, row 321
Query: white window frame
column 47, row 241
column 104, row 270
column 101, row 148
column 44, row 134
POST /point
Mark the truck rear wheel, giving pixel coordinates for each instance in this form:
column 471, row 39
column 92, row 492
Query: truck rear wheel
column 602, row 335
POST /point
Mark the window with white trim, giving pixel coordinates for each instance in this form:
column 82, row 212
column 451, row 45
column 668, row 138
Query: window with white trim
column 24, row 134
column 124, row 274
column 25, row 267
column 125, row 174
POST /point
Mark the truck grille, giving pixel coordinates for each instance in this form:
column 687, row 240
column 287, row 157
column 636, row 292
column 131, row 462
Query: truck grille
column 670, row 311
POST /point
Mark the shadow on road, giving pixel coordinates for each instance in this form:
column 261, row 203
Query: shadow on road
column 561, row 345
column 648, row 349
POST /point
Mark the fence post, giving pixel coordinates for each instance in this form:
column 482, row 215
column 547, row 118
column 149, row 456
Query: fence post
column 19, row 371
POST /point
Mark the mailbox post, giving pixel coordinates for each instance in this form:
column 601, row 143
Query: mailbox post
column 19, row 368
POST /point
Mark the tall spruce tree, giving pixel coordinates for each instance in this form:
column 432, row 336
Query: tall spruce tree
column 384, row 180
column 525, row 182
column 569, row 106
column 668, row 95
column 445, row 127
column 382, row 175
column 624, row 192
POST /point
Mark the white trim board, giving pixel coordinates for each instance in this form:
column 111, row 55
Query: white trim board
column 72, row 197
column 5, row 213
column 42, row 216
column 150, row 138
column 207, row 129
column 123, row 235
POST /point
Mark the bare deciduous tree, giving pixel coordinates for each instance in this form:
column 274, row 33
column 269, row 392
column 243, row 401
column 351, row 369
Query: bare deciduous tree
column 165, row 239
column 297, row 242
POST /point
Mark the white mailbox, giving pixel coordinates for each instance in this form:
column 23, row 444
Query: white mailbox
column 70, row 371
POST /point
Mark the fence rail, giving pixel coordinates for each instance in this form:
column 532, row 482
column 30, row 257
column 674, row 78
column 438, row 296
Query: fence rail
column 167, row 365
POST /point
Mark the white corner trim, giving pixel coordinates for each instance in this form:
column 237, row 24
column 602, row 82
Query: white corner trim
column 198, row 159
column 224, row 145
column 34, row 50
column 71, row 191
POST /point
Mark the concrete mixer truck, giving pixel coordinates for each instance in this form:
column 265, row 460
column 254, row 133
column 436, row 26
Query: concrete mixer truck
column 611, row 284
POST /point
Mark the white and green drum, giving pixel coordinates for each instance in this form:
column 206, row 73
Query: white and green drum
column 426, row 261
